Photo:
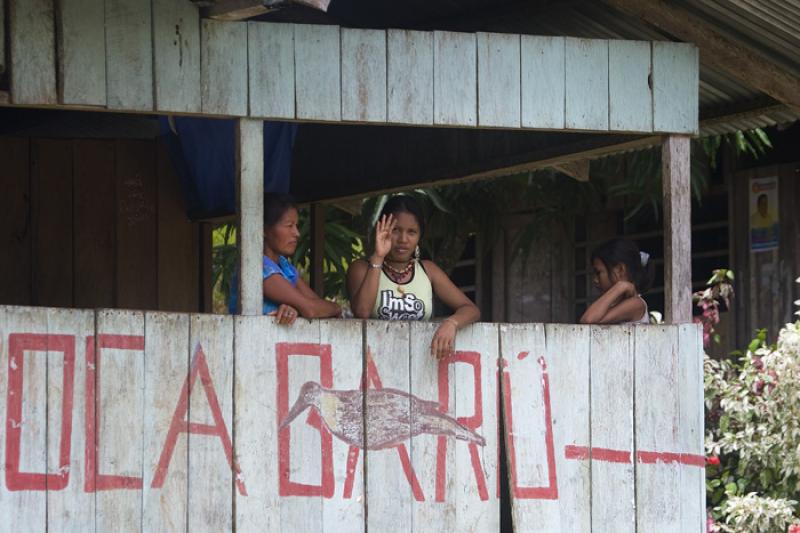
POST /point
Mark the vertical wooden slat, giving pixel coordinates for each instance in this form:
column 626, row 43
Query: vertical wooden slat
column 26, row 373
column 254, row 426
column 15, row 221
column 129, row 55
column 178, row 243
column 439, row 510
column 2, row 36
column 657, row 427
column 690, row 429
column 389, row 492
column 94, row 223
column 223, row 74
column 528, row 428
column 117, row 374
column 409, row 76
column 317, row 72
column 499, row 81
column 363, row 75
column 586, row 64
column 675, row 87
column 676, row 179
column 176, row 52
column 51, row 213
column 569, row 366
column 270, row 49
column 136, row 227
column 630, row 100
column 465, row 496
column 69, row 508
column 82, row 52
column 455, row 74
column 346, row 342
column 211, row 478
column 250, row 198
column 542, row 82
column 33, row 51
column 166, row 367
column 304, row 456
column 613, row 482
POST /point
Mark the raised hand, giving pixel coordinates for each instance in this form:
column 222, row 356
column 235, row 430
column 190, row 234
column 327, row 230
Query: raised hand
column 383, row 236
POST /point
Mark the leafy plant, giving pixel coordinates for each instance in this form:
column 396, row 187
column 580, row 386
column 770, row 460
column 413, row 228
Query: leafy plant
column 753, row 434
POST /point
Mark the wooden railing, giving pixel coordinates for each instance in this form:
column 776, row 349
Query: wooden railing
column 123, row 420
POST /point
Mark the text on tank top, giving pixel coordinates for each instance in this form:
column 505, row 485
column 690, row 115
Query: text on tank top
column 412, row 300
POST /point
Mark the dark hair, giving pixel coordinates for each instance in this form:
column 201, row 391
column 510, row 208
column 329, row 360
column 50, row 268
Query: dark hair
column 623, row 251
column 402, row 203
column 275, row 205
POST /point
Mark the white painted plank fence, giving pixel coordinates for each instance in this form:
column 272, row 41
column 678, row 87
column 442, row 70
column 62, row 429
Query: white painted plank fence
column 150, row 421
column 158, row 56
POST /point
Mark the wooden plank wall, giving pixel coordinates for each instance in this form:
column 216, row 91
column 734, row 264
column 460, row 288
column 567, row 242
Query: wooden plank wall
column 159, row 56
column 95, row 223
column 184, row 410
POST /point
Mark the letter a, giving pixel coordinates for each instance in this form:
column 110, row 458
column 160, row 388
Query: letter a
column 179, row 423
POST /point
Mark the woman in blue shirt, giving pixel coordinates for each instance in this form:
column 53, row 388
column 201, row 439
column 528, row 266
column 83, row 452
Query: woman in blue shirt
column 285, row 293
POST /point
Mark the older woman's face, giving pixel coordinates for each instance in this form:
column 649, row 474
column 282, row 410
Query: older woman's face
column 282, row 237
column 405, row 236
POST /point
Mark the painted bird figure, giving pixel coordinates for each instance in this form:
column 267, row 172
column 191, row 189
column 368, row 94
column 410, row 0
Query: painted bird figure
column 393, row 416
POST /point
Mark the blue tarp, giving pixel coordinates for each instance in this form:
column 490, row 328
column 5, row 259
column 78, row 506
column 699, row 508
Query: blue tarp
column 202, row 153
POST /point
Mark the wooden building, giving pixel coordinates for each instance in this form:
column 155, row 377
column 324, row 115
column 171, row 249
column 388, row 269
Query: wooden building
column 93, row 219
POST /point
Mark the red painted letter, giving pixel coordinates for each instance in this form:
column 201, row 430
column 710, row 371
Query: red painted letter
column 472, row 422
column 286, row 486
column 549, row 492
column 18, row 343
column 179, row 423
column 94, row 479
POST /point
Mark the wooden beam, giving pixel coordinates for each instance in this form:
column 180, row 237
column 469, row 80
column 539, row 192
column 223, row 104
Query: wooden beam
column 250, row 210
column 717, row 50
column 317, row 248
column 237, row 9
column 677, row 191
column 576, row 169
column 245, row 9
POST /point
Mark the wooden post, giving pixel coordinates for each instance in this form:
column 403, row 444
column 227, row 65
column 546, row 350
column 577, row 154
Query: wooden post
column 317, row 247
column 250, row 213
column 676, row 176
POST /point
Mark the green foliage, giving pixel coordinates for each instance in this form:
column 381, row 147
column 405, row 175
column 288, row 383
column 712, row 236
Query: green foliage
column 753, row 433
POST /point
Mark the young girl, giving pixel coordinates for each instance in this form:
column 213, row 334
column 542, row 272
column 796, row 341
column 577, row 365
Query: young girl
column 622, row 273
column 285, row 293
column 393, row 284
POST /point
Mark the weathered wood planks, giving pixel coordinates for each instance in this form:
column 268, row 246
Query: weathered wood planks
column 218, row 423
column 82, row 52
column 160, row 56
column 271, row 70
column 176, row 55
column 33, row 62
column 129, row 55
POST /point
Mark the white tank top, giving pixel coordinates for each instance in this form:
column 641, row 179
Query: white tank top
column 412, row 300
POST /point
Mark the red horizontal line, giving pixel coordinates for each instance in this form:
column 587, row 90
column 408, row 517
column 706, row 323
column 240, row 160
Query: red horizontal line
column 624, row 456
